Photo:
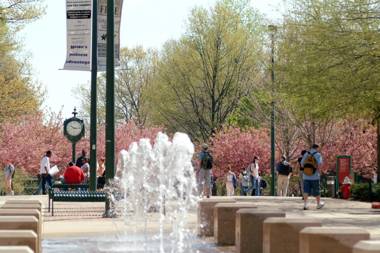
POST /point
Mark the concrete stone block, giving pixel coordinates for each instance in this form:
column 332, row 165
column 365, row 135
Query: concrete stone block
column 281, row 235
column 21, row 212
column 25, row 212
column 24, row 201
column 15, row 249
column 225, row 221
column 249, row 229
column 19, row 238
column 21, row 206
column 331, row 239
column 206, row 214
column 367, row 247
column 23, row 223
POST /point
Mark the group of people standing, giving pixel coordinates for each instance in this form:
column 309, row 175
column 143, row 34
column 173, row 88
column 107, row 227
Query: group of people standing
column 251, row 183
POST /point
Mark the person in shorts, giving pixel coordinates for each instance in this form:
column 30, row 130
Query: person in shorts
column 311, row 182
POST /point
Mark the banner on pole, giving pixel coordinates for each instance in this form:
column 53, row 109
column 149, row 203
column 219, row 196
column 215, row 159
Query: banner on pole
column 102, row 33
column 78, row 21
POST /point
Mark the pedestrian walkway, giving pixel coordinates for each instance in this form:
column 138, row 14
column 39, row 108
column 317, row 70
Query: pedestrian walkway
column 84, row 220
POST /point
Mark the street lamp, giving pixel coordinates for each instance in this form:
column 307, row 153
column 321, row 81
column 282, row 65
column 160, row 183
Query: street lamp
column 272, row 29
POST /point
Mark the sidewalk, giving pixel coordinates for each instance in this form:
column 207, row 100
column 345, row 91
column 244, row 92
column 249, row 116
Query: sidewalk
column 82, row 220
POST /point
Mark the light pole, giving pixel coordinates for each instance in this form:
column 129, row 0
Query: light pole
column 94, row 75
column 110, row 92
column 272, row 29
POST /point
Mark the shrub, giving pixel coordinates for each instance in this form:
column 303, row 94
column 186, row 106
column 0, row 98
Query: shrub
column 360, row 192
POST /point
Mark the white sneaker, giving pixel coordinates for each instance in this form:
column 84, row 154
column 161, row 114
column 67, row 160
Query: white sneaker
column 320, row 205
column 306, row 207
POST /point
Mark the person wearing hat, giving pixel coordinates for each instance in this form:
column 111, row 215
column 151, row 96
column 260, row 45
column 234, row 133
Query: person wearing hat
column 284, row 172
column 205, row 172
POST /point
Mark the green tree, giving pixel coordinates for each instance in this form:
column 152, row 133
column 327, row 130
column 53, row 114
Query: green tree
column 19, row 12
column 329, row 52
column 18, row 94
column 133, row 79
column 202, row 76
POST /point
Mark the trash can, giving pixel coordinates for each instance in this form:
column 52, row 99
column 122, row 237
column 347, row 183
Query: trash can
column 331, row 186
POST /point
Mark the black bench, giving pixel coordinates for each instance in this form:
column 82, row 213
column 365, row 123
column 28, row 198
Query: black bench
column 79, row 196
column 64, row 187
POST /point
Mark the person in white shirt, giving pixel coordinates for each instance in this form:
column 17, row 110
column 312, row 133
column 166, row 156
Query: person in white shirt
column 255, row 177
column 44, row 171
column 230, row 182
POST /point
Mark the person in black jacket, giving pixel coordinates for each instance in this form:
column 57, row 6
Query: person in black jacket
column 284, row 172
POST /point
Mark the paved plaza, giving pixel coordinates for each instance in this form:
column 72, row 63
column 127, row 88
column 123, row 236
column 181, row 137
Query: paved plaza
column 79, row 227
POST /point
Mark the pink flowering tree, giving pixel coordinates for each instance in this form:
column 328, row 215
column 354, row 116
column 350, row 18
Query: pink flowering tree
column 126, row 134
column 236, row 148
column 24, row 141
column 354, row 138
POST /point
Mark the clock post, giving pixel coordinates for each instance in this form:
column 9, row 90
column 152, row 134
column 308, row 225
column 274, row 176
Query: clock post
column 73, row 129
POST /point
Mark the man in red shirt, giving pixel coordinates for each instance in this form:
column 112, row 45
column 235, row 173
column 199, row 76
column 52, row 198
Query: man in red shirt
column 73, row 174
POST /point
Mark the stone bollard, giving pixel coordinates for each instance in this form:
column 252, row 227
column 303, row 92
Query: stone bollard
column 22, row 223
column 22, row 206
column 24, row 201
column 281, row 235
column 19, row 238
column 367, row 247
column 324, row 239
column 225, row 221
column 206, row 214
column 249, row 229
column 15, row 249
column 25, row 212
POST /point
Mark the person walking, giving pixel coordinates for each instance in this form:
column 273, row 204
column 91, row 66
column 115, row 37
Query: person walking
column 205, row 172
column 44, row 171
column 311, row 163
column 230, row 182
column 284, row 172
column 9, row 172
column 255, row 177
column 245, row 182
column 303, row 152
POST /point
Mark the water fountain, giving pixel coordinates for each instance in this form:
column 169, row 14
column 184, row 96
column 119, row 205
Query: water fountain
column 155, row 193
column 159, row 187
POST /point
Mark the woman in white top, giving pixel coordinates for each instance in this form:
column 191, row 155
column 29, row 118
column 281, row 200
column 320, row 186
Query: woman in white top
column 230, row 182
column 255, row 177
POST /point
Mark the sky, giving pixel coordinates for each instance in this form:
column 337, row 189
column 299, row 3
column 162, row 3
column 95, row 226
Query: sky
column 149, row 23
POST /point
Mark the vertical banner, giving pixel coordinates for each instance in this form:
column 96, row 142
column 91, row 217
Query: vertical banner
column 78, row 21
column 102, row 33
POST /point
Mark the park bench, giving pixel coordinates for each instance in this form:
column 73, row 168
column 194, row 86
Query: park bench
column 79, row 196
column 64, row 187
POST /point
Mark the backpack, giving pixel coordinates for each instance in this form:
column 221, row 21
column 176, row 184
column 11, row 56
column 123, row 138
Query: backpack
column 310, row 164
column 206, row 162
column 263, row 184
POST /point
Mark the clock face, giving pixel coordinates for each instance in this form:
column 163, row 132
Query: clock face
column 74, row 128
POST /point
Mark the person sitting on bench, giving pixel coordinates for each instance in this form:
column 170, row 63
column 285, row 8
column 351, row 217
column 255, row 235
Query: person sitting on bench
column 73, row 174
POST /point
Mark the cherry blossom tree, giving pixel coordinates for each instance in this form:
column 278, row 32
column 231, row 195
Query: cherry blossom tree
column 236, row 148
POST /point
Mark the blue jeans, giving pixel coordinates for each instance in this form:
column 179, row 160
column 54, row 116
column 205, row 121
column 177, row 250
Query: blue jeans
column 46, row 178
column 256, row 186
column 244, row 190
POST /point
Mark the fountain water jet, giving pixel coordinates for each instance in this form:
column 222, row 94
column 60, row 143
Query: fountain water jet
column 160, row 180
